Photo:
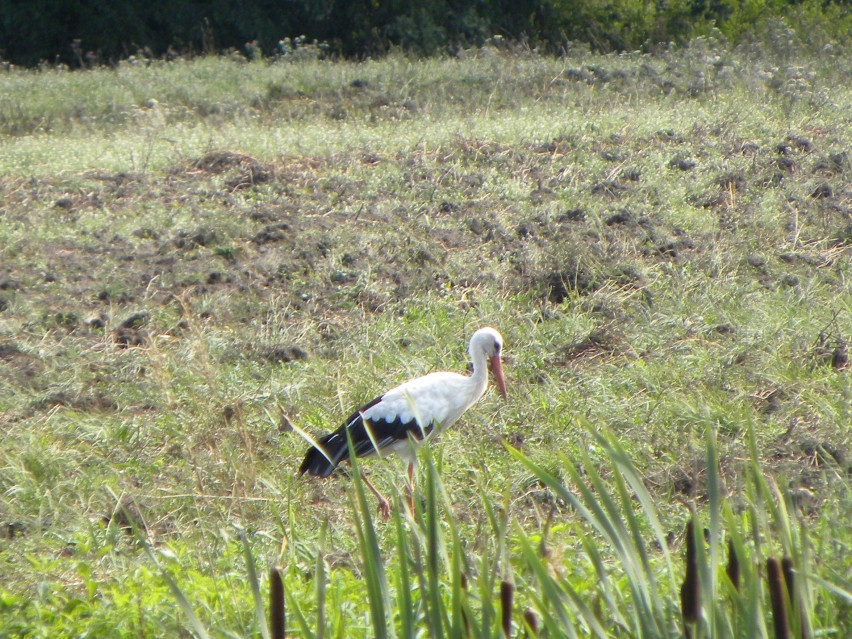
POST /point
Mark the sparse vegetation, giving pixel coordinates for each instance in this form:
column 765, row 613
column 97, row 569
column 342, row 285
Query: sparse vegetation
column 197, row 255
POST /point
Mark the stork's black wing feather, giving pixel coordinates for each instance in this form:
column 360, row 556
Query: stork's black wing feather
column 381, row 431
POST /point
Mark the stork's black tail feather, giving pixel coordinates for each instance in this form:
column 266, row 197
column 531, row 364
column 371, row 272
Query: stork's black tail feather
column 315, row 463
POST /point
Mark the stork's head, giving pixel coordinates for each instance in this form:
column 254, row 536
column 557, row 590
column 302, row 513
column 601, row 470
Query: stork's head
column 489, row 342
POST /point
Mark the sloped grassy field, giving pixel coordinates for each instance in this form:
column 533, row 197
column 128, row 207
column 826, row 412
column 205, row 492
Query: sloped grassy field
column 200, row 258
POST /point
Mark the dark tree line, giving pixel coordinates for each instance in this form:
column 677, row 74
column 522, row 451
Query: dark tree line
column 72, row 31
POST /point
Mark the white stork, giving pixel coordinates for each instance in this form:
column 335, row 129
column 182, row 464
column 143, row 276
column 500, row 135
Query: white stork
column 422, row 408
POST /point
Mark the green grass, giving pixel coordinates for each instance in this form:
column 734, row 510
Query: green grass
column 669, row 340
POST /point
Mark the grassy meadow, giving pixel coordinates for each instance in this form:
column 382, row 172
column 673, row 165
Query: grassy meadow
column 201, row 258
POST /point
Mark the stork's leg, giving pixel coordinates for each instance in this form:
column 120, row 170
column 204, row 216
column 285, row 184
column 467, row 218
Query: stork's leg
column 384, row 505
column 409, row 490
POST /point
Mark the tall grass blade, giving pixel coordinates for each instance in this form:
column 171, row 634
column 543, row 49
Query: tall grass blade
column 592, row 621
column 177, row 593
column 743, row 587
column 301, row 622
column 610, row 518
column 620, row 457
column 607, row 514
column 458, row 623
column 551, row 598
column 374, row 568
column 843, row 592
column 404, row 595
column 254, row 583
column 195, row 623
column 498, row 522
column 420, row 571
column 623, row 509
column 610, row 593
column 436, row 612
column 319, row 580
column 312, row 441
column 492, row 559
column 760, row 494
column 709, row 567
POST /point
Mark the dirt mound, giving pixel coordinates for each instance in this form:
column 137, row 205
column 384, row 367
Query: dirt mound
column 240, row 169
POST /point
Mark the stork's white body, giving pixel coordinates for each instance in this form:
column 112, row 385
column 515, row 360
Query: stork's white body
column 424, row 407
column 436, row 400
column 420, row 408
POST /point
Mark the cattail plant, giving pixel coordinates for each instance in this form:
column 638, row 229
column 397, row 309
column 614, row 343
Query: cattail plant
column 531, row 623
column 277, row 621
column 690, row 590
column 465, row 622
column 733, row 567
column 507, row 592
column 421, row 577
column 778, row 597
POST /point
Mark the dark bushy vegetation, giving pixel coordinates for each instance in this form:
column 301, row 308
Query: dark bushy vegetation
column 82, row 32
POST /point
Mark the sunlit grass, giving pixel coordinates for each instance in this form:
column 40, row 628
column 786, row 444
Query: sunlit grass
column 138, row 119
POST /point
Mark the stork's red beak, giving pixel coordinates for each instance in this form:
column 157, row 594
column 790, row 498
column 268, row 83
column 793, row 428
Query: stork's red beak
column 497, row 369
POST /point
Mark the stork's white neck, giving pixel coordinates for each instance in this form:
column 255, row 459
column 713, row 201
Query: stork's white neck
column 478, row 380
